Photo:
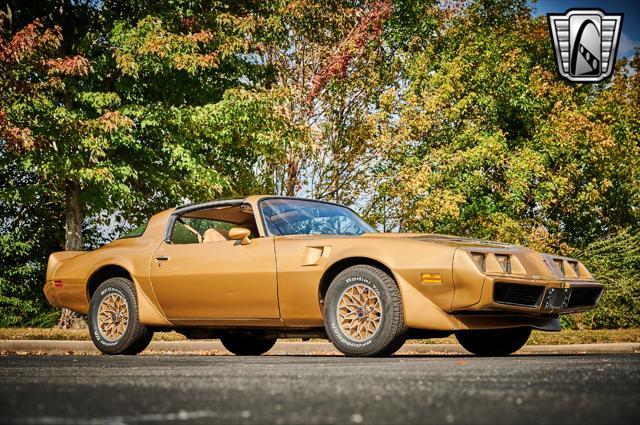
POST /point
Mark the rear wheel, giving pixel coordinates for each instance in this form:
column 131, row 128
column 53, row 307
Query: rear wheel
column 113, row 319
column 494, row 342
column 247, row 345
column 363, row 312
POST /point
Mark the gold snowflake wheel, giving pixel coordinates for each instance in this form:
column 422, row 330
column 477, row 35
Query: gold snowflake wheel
column 359, row 312
column 113, row 317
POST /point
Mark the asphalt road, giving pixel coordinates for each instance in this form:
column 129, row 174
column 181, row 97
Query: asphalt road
column 309, row 390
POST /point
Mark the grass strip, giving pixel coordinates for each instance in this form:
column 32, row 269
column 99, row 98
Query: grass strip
column 566, row 336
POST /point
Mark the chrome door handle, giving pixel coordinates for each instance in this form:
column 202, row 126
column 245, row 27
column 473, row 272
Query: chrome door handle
column 162, row 258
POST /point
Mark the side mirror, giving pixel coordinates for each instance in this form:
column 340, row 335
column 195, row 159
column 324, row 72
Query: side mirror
column 240, row 233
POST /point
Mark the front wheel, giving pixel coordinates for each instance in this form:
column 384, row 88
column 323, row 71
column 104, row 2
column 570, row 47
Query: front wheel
column 493, row 342
column 363, row 312
column 113, row 319
column 247, row 345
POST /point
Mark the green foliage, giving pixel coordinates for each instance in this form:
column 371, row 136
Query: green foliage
column 16, row 302
column 485, row 140
column 118, row 109
column 426, row 115
column 615, row 262
column 23, row 256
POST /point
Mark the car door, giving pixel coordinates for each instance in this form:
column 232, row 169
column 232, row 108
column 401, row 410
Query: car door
column 216, row 280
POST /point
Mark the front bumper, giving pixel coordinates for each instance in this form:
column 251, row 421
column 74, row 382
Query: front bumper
column 537, row 296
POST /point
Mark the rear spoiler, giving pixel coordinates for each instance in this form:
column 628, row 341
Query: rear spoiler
column 57, row 258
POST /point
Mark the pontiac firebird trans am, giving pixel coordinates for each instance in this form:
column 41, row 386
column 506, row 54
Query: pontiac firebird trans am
column 251, row 270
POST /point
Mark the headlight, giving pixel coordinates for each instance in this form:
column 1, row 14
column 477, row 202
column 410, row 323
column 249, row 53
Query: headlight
column 566, row 267
column 559, row 264
column 505, row 262
column 480, row 260
column 574, row 266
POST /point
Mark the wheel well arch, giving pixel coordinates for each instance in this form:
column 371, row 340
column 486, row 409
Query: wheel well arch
column 104, row 273
column 343, row 264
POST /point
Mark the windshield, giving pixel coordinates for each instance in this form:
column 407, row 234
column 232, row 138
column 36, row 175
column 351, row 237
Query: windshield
column 298, row 217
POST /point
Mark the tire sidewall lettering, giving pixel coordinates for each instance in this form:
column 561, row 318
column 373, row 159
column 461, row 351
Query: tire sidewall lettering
column 109, row 289
column 361, row 279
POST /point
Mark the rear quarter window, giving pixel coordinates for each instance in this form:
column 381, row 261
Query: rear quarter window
column 137, row 232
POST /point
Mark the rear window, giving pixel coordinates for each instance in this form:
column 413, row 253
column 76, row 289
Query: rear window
column 137, row 232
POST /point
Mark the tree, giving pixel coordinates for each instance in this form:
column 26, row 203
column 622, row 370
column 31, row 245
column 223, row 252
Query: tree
column 486, row 140
column 118, row 113
column 330, row 78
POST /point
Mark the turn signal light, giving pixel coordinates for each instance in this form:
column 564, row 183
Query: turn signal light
column 431, row 278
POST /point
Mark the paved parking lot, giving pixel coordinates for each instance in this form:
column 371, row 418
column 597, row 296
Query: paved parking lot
column 306, row 389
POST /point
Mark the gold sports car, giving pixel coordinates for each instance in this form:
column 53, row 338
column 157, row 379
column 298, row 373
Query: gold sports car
column 249, row 271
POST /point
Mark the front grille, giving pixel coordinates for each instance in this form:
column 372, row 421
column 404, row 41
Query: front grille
column 517, row 294
column 584, row 297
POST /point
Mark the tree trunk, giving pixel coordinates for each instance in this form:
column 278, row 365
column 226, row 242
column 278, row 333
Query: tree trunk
column 73, row 219
column 72, row 242
column 291, row 182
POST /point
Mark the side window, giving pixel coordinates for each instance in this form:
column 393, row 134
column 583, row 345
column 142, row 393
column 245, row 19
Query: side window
column 193, row 230
column 181, row 234
column 212, row 224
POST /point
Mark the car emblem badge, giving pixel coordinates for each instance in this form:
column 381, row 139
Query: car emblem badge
column 585, row 43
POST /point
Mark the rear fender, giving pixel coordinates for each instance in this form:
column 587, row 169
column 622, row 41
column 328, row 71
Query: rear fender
column 51, row 290
column 149, row 312
column 57, row 258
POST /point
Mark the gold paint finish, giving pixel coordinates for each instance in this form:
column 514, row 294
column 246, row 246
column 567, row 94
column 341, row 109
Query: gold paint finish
column 222, row 280
column 113, row 317
column 359, row 312
column 275, row 282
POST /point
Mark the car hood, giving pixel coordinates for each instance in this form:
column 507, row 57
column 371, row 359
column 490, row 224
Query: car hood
column 443, row 239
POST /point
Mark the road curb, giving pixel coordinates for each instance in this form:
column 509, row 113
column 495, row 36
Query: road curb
column 294, row 348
